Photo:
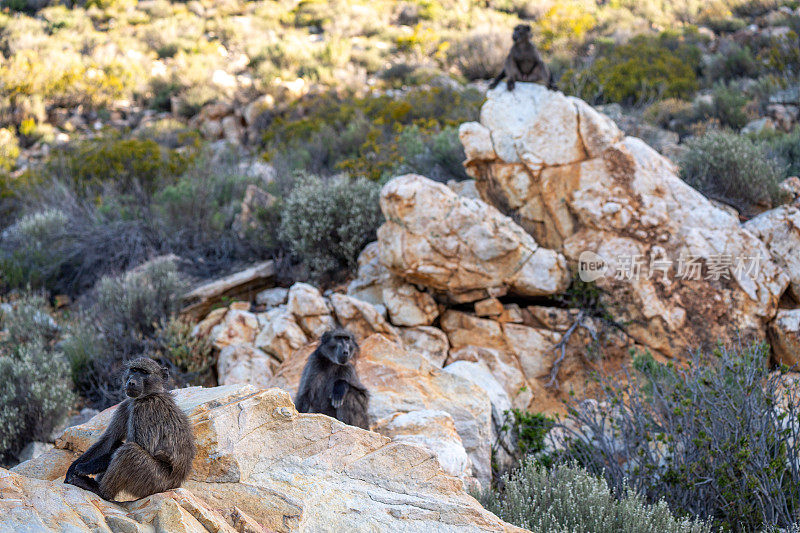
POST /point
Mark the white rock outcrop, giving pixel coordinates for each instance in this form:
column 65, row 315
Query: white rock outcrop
column 577, row 185
column 461, row 247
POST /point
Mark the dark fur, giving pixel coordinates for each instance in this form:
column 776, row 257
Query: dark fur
column 523, row 62
column 330, row 384
column 147, row 448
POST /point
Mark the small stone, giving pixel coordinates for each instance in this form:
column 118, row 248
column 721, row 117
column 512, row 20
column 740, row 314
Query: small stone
column 489, row 307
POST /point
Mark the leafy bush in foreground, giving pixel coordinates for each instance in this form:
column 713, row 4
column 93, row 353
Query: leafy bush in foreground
column 328, row 221
column 731, row 168
column 717, row 439
column 35, row 393
column 567, row 499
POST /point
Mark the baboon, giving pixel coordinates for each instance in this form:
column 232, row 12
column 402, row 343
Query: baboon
column 147, row 448
column 329, row 384
column 523, row 62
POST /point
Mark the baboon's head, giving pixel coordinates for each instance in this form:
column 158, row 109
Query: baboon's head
column 143, row 377
column 338, row 345
column 522, row 33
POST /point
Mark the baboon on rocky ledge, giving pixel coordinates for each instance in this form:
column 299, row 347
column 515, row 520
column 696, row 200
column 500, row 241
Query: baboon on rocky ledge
column 523, row 62
column 330, row 385
column 147, row 448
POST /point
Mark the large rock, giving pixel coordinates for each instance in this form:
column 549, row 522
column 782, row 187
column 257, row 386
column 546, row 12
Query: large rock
column 434, row 430
column 244, row 363
column 260, row 465
column 311, row 311
column 280, row 335
column 460, row 246
column 409, row 306
column 361, row 318
column 427, row 340
column 784, row 336
column 236, row 326
column 371, row 277
column 480, row 375
column 780, row 230
column 402, row 381
column 375, row 284
column 565, row 173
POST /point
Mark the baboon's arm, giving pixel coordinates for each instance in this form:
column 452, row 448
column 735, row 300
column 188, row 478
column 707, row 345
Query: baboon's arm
column 499, row 77
column 338, row 392
column 97, row 458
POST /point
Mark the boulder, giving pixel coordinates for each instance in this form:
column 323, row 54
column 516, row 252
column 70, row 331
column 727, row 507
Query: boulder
column 461, row 247
column 235, row 327
column 409, row 306
column 780, row 230
column 280, row 335
column 434, row 430
column 259, row 465
column 784, row 336
column 272, row 297
column 522, row 356
column 426, row 340
column 311, row 311
column 403, row 381
column 371, row 276
column 481, row 376
column 375, row 284
column 244, row 363
column 616, row 202
column 361, row 318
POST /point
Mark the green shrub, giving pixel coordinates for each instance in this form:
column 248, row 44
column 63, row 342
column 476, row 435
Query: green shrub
column 645, row 68
column 30, row 253
column 35, row 392
column 438, row 156
column 192, row 358
column 731, row 168
column 568, row 499
column 715, row 439
column 68, row 243
column 727, row 106
column 735, row 62
column 785, row 148
column 133, row 166
column 328, row 221
column 672, row 113
column 360, row 135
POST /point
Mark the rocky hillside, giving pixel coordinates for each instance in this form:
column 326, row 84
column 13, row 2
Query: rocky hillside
column 465, row 307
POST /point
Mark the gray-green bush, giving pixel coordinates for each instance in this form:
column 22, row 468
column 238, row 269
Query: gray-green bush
column 121, row 324
column 732, row 168
column 716, row 439
column 567, row 499
column 35, row 392
column 327, row 221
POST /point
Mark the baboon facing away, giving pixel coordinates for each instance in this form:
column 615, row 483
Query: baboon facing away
column 523, row 62
column 147, row 448
column 330, row 385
